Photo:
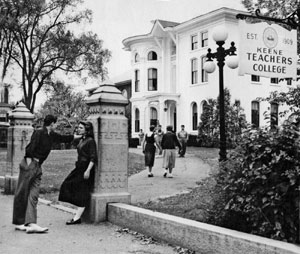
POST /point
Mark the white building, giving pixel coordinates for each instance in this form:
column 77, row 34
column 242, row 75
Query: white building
column 169, row 85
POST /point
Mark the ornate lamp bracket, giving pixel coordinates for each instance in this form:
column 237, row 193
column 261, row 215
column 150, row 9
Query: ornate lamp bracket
column 292, row 20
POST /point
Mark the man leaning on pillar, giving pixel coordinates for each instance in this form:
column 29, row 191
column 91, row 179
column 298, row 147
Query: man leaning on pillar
column 28, row 187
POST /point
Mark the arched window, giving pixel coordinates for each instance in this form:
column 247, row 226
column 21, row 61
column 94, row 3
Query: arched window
column 137, row 120
column 194, row 116
column 152, row 56
column 152, row 79
column 136, row 57
column 153, row 116
column 274, row 115
column 137, row 80
column 255, row 113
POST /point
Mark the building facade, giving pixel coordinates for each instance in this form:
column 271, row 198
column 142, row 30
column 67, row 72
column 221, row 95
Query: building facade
column 169, row 84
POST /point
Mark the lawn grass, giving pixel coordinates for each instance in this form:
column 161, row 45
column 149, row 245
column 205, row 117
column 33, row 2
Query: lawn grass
column 59, row 164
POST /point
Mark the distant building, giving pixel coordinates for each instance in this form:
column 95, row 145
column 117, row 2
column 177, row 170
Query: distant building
column 123, row 83
column 5, row 107
column 169, row 84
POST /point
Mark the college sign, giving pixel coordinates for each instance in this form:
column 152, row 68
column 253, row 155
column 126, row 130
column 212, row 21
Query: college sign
column 267, row 50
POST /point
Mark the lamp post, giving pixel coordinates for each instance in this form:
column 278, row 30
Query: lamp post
column 220, row 35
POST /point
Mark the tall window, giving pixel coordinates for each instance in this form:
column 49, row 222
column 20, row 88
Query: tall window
column 204, row 105
column 194, row 77
column 204, row 39
column 194, row 42
column 255, row 78
column 153, row 116
column 136, row 58
column 137, row 81
column 152, row 79
column 204, row 75
column 173, row 48
column 255, row 113
column 152, row 56
column 6, row 94
column 274, row 115
column 137, row 121
column 194, row 116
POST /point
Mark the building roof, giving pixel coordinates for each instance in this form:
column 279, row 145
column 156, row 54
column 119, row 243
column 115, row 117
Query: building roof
column 118, row 80
column 174, row 26
column 165, row 23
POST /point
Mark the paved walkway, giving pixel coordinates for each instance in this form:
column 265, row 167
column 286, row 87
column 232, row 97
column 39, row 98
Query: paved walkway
column 103, row 238
column 187, row 172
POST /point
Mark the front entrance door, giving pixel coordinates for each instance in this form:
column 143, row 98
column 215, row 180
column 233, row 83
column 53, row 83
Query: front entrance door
column 153, row 116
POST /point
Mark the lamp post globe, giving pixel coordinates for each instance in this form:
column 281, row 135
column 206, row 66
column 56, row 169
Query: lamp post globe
column 220, row 33
column 209, row 66
column 232, row 61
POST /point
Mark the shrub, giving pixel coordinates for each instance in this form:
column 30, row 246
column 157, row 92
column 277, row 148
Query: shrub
column 193, row 141
column 260, row 180
column 208, row 129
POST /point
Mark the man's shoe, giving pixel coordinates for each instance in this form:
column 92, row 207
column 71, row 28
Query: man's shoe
column 34, row 228
column 21, row 227
column 170, row 176
column 150, row 175
column 73, row 222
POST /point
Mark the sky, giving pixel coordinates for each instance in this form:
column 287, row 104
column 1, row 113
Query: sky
column 116, row 20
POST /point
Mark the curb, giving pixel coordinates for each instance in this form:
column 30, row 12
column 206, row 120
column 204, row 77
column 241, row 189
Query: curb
column 56, row 206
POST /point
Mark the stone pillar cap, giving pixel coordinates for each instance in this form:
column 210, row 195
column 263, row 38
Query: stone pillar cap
column 107, row 93
column 21, row 112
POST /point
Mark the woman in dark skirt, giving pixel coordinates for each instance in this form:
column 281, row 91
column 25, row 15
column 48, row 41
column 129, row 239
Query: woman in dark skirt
column 149, row 148
column 76, row 188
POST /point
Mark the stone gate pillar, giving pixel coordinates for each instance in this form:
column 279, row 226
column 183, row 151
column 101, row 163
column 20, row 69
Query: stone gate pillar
column 107, row 113
column 19, row 134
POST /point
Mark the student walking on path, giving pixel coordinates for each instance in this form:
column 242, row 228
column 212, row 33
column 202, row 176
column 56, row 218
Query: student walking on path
column 149, row 148
column 77, row 187
column 169, row 143
column 28, row 187
column 183, row 138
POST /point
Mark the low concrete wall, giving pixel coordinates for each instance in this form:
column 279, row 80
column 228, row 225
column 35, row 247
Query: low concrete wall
column 197, row 236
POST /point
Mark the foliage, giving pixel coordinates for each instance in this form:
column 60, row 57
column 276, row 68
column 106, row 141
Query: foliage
column 64, row 103
column 208, row 130
column 260, row 179
column 44, row 42
column 261, row 183
column 291, row 98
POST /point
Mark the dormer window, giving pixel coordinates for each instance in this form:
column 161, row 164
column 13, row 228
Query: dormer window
column 152, row 56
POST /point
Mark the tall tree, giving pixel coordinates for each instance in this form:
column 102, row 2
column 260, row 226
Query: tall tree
column 6, row 44
column 45, row 43
column 63, row 102
column 272, row 8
